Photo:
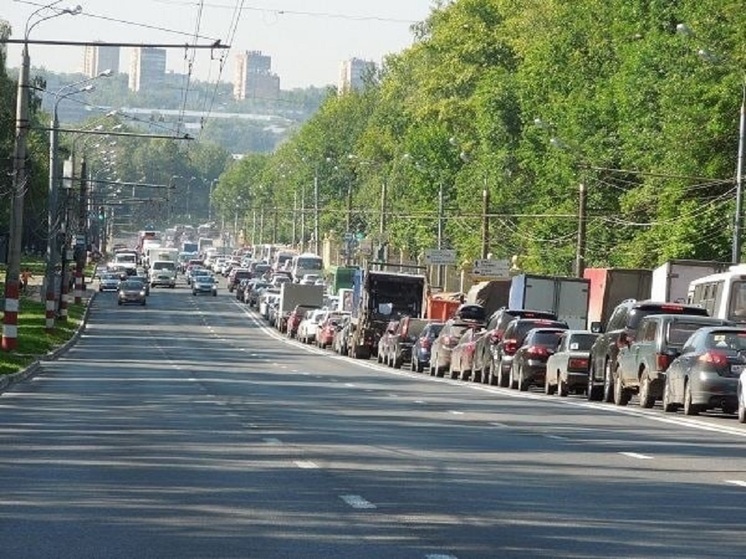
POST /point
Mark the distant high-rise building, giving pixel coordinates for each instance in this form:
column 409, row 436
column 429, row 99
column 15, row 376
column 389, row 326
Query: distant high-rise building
column 254, row 78
column 97, row 58
column 352, row 74
column 147, row 68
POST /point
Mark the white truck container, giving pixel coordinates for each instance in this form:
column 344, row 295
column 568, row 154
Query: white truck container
column 292, row 294
column 671, row 280
column 566, row 297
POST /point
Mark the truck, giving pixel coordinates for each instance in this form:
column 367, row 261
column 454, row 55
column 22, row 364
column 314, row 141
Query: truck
column 203, row 244
column 611, row 286
column 163, row 273
column 383, row 296
column 189, row 246
column 156, row 252
column 341, row 277
column 671, row 279
column 492, row 295
column 566, row 297
column 294, row 294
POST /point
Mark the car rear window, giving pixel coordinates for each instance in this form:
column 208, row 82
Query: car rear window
column 729, row 339
column 549, row 339
column 679, row 332
column 581, row 342
column 638, row 313
column 523, row 326
column 433, row 330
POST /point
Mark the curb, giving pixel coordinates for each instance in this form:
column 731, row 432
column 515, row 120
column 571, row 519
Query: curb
column 9, row 380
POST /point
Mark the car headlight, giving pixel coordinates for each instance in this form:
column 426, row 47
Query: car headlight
column 142, row 293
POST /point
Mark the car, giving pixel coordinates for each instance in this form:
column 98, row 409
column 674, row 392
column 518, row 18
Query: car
column 109, row 282
column 240, row 290
column 511, row 340
column 399, row 346
column 204, row 283
column 131, row 293
column 485, row 349
column 339, row 344
column 623, row 321
column 567, row 368
column 236, row 275
column 308, row 327
column 462, row 356
column 529, row 364
column 254, row 290
column 440, row 355
column 295, row 318
column 142, row 279
column 422, row 346
column 195, row 272
column 328, row 328
column 642, row 363
column 707, row 373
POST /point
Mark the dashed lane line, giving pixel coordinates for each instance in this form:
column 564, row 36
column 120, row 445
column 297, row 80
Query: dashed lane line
column 306, row 465
column 357, row 502
column 738, row 482
column 636, row 455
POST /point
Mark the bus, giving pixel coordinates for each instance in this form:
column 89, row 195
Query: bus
column 723, row 295
column 306, row 263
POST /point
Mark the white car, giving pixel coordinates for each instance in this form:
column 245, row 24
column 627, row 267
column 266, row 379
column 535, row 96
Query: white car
column 742, row 397
column 310, row 324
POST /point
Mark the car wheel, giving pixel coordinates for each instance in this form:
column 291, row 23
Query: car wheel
column 413, row 365
column 562, row 388
column 143, row 303
column 379, row 358
column 621, row 395
column 689, row 408
column 119, row 303
column 668, row 406
column 503, row 379
column 608, row 390
column 646, row 398
column 396, row 362
column 548, row 389
column 453, row 373
column 593, row 393
column 512, row 384
column 522, row 382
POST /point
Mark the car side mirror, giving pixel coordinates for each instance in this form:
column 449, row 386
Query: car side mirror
column 624, row 340
column 597, row 327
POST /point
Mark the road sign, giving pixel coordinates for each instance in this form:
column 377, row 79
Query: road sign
column 440, row 257
column 349, row 236
column 492, row 268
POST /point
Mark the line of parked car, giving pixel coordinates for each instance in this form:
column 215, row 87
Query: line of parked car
column 657, row 352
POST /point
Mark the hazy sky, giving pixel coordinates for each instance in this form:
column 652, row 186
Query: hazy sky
column 307, row 39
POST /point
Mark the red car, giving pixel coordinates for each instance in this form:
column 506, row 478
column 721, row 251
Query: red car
column 462, row 356
column 325, row 335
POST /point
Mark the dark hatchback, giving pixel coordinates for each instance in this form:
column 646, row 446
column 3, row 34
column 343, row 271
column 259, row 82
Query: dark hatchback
column 529, row 365
column 423, row 345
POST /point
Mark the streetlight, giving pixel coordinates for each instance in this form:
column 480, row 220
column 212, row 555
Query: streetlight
column 52, row 210
column 707, row 56
column 12, row 276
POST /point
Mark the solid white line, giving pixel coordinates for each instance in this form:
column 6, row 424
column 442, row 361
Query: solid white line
column 439, row 556
column 737, row 482
column 636, row 455
column 306, row 464
column 272, row 441
column 357, row 502
column 420, row 402
column 496, row 424
column 555, row 437
column 349, row 385
column 454, row 412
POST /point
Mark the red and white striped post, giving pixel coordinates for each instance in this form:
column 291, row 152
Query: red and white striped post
column 10, row 320
column 50, row 309
column 64, row 297
column 78, row 286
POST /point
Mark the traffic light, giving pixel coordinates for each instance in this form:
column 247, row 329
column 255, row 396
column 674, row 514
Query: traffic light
column 101, row 213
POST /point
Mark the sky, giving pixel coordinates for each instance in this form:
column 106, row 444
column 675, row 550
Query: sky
column 307, row 39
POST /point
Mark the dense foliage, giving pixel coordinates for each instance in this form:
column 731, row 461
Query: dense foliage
column 530, row 98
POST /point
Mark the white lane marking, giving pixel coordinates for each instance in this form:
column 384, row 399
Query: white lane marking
column 440, row 556
column 306, row 374
column 273, row 441
column 306, row 464
column 454, row 412
column 501, row 425
column 349, row 385
column 737, row 482
column 420, row 402
column 555, row 437
column 636, row 455
column 357, row 502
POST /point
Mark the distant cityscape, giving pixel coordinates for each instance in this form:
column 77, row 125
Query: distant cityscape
column 253, row 77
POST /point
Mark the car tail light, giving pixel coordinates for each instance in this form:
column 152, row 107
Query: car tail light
column 537, row 351
column 425, row 343
column 714, row 358
column 662, row 361
column 446, row 340
column 577, row 363
column 510, row 346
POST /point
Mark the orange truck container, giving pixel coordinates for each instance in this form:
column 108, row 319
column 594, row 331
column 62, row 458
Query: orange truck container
column 442, row 308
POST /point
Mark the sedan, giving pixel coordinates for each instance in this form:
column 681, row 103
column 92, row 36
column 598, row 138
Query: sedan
column 462, row 356
column 131, row 293
column 109, row 282
column 707, row 372
column 204, row 284
column 567, row 370
column 529, row 365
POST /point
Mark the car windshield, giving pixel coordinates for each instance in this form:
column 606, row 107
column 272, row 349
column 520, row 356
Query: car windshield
column 205, row 279
column 131, row 285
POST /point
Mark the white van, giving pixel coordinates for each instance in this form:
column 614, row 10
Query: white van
column 306, row 263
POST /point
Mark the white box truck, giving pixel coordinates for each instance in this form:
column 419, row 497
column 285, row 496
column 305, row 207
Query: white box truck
column 293, row 294
column 566, row 297
column 671, row 280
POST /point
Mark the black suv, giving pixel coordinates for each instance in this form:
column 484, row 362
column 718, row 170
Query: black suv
column 620, row 330
column 487, row 340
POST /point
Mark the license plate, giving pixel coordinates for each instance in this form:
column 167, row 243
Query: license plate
column 737, row 369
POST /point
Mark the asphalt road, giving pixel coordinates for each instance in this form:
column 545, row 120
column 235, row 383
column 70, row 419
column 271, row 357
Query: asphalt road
column 187, row 429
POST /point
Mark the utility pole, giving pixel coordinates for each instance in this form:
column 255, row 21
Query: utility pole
column 348, row 225
column 485, row 221
column 52, row 226
column 582, row 219
column 302, row 218
column 292, row 218
column 316, row 244
column 738, row 222
column 274, row 225
column 82, row 237
column 440, row 233
column 382, row 224
column 12, row 275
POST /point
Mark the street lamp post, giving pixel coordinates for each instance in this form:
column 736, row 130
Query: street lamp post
column 19, row 187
